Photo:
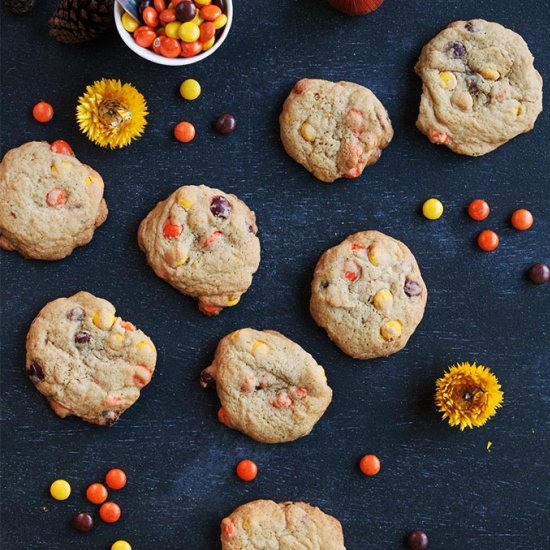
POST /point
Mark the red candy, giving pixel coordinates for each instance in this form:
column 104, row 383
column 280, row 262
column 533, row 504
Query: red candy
column 150, row 16
column 171, row 230
column 144, row 36
column 61, row 147
column 189, row 49
column 207, row 31
column 487, row 240
column 170, row 47
column 478, row 210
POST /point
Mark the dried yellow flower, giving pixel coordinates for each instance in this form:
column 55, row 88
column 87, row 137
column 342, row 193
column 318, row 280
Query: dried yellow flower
column 111, row 114
column 468, row 395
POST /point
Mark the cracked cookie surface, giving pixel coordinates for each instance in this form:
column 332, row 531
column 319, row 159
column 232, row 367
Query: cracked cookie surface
column 270, row 388
column 203, row 242
column 268, row 525
column 480, row 88
column 51, row 202
column 334, row 129
column 86, row 361
column 368, row 294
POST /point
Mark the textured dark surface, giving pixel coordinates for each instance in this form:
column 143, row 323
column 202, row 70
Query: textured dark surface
column 179, row 459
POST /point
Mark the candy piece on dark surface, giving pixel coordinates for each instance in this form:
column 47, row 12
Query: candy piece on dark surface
column 220, row 207
column 35, row 372
column 76, row 314
column 456, row 49
column 417, row 540
column 225, row 124
column 206, row 380
column 539, row 273
column 412, row 288
column 82, row 337
column 82, row 522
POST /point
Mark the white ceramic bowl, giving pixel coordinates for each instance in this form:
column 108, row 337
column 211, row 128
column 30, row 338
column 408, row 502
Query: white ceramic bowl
column 173, row 61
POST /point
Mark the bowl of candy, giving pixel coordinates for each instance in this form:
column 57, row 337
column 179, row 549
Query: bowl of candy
column 176, row 32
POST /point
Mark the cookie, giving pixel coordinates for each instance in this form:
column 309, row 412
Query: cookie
column 203, row 242
column 334, row 129
column 368, row 294
column 480, row 88
column 269, row 387
column 268, row 525
column 86, row 361
column 51, row 203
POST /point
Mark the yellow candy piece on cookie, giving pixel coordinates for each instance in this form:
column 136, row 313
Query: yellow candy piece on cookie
column 490, row 74
column 234, row 302
column 186, row 203
column 181, row 261
column 383, row 299
column 391, row 330
column 308, row 132
column 103, row 319
column 258, row 344
column 448, row 80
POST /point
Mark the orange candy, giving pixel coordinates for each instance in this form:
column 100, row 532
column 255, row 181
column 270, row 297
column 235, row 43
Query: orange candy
column 42, row 112
column 160, row 5
column 61, row 147
column 56, row 197
column 247, row 470
column 487, row 240
column 167, row 16
column 210, row 12
column 116, row 479
column 207, row 31
column 171, row 230
column 189, row 49
column 184, row 132
column 169, row 47
column 97, row 493
column 144, row 36
column 370, row 465
column 150, row 17
column 110, row 512
column 522, row 219
column 478, row 210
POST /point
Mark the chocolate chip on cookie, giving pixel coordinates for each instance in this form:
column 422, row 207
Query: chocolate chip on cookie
column 334, row 129
column 86, row 361
column 51, row 202
column 480, row 88
column 368, row 294
column 203, row 242
column 269, row 387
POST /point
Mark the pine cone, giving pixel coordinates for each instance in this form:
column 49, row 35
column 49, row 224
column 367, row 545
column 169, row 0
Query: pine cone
column 80, row 20
column 19, row 7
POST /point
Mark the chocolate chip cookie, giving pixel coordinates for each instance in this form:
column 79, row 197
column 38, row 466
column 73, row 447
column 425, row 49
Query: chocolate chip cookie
column 86, row 361
column 51, row 202
column 268, row 525
column 269, row 387
column 203, row 242
column 368, row 294
column 334, row 129
column 480, row 88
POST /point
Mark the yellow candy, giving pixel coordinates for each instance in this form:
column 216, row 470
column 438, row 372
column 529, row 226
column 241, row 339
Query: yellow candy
column 235, row 335
column 448, row 80
column 89, row 180
column 258, row 344
column 383, row 299
column 220, row 21
column 60, row 489
column 181, row 261
column 203, row 2
column 116, row 340
column 190, row 89
column 103, row 319
column 324, row 373
column 53, row 169
column 391, row 330
column 373, row 256
column 432, row 209
column 121, row 545
column 143, row 343
column 207, row 45
column 308, row 132
column 490, row 74
column 129, row 23
column 516, row 110
column 197, row 20
column 186, row 203
column 172, row 28
column 189, row 32
column 234, row 302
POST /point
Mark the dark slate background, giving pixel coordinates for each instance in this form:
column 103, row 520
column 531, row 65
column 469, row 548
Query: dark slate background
column 179, row 459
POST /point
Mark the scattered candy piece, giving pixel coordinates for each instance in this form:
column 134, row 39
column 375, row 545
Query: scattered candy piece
column 115, row 479
column 539, row 273
column 122, row 544
column 97, row 493
column 417, row 540
column 82, row 522
column 60, row 489
column 110, row 512
column 226, row 124
column 184, row 132
column 370, row 465
column 487, row 240
column 42, row 112
column 190, row 89
column 478, row 210
column 247, row 470
column 522, row 219
column 432, row 209
column 61, row 147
